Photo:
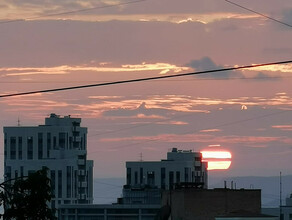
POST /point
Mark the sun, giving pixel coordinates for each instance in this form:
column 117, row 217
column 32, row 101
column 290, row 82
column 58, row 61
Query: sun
column 217, row 159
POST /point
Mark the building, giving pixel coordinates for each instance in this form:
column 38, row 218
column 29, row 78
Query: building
column 108, row 212
column 147, row 179
column 243, row 215
column 181, row 166
column 206, row 204
column 60, row 145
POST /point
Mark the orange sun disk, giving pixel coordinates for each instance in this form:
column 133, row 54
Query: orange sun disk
column 217, row 159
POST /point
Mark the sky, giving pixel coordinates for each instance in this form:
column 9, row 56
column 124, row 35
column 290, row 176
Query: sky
column 246, row 112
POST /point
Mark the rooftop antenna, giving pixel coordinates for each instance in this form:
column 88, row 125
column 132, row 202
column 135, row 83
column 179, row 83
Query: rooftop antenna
column 18, row 122
column 141, row 156
column 281, row 196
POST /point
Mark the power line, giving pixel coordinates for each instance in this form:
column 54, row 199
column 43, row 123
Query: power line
column 143, row 79
column 182, row 80
column 258, row 13
column 72, row 12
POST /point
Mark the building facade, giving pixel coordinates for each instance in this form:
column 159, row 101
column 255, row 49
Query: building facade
column 108, row 212
column 181, row 166
column 60, row 145
column 206, row 204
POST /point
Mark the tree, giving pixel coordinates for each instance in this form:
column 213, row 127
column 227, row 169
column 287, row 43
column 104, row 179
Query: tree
column 27, row 198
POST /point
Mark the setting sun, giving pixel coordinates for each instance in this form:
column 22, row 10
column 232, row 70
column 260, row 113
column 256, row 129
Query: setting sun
column 217, row 159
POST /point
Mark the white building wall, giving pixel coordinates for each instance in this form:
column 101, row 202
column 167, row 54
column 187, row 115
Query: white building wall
column 60, row 145
column 183, row 166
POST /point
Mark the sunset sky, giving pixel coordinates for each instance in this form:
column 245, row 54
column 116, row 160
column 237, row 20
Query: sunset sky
column 245, row 112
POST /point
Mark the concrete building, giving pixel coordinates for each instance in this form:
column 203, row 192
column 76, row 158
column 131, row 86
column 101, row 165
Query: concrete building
column 181, row 166
column 206, row 204
column 243, row 215
column 60, row 145
column 108, row 212
column 147, row 179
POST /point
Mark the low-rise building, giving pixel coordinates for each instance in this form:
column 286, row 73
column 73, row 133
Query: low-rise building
column 108, row 212
column 206, row 204
column 243, row 215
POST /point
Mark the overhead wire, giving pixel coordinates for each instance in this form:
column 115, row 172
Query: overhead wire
column 258, row 13
column 71, row 12
column 150, row 78
column 171, row 80
column 144, row 79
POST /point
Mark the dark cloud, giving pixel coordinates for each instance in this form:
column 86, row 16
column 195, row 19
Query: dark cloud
column 265, row 77
column 141, row 109
column 207, row 63
column 287, row 16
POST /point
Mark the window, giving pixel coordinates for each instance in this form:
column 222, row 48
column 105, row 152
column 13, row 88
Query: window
column 141, row 176
column 149, row 211
column 20, row 148
column 55, row 143
column 136, row 177
column 163, row 178
column 30, row 148
column 49, row 144
column 128, row 176
column 123, row 211
column 151, row 178
column 171, row 180
column 69, row 179
column 40, row 146
column 84, row 141
column 59, row 183
column 186, row 174
column 21, row 171
column 12, row 148
column 5, row 144
column 62, row 140
column 177, row 177
column 89, row 211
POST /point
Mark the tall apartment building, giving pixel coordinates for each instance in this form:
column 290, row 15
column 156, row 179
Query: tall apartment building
column 60, row 145
column 180, row 167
